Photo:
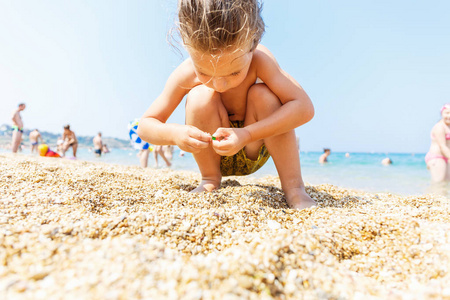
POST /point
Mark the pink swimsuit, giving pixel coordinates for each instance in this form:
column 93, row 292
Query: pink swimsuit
column 431, row 156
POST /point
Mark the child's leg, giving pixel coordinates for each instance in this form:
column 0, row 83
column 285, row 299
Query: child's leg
column 159, row 150
column 64, row 148
column 155, row 155
column 205, row 110
column 261, row 103
column 143, row 158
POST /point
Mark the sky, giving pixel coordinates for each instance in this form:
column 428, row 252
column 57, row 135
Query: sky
column 377, row 72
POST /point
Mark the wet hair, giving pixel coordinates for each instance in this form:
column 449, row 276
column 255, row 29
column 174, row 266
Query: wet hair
column 211, row 26
column 67, row 127
column 326, row 150
column 20, row 104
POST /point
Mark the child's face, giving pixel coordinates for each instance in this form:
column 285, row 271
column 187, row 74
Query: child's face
column 222, row 72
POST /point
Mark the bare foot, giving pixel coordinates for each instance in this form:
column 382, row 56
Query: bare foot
column 206, row 186
column 298, row 199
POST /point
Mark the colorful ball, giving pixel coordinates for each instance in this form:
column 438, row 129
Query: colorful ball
column 136, row 141
column 43, row 148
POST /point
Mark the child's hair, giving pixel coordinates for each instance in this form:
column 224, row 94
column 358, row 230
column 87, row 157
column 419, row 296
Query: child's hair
column 210, row 26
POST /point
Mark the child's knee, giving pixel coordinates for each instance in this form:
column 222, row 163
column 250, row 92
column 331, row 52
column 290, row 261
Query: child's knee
column 204, row 103
column 201, row 99
column 261, row 98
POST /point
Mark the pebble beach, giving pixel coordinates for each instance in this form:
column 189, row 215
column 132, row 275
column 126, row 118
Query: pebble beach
column 83, row 230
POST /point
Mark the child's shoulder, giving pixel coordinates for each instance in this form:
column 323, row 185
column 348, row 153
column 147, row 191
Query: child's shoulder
column 262, row 53
column 264, row 62
column 185, row 75
column 262, row 57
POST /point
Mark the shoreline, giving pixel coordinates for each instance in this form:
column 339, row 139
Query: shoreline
column 72, row 229
column 407, row 177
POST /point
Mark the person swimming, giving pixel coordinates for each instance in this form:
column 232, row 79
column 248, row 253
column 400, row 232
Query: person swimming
column 324, row 157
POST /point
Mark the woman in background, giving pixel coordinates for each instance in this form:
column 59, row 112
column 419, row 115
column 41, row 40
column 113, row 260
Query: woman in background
column 70, row 140
column 439, row 153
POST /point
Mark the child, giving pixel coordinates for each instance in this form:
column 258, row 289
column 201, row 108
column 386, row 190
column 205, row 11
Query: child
column 235, row 90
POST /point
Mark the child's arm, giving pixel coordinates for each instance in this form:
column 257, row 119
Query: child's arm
column 153, row 127
column 296, row 108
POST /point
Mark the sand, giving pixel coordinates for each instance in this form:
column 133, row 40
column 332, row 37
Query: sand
column 81, row 230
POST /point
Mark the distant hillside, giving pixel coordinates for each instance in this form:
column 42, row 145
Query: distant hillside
column 51, row 138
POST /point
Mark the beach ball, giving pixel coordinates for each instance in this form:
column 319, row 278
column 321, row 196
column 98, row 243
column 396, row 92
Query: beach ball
column 43, row 148
column 135, row 140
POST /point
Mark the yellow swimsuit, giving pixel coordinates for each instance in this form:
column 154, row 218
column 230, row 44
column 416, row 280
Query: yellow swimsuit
column 239, row 164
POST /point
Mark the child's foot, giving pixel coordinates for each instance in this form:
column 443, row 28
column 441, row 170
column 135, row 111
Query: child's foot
column 298, row 199
column 206, row 186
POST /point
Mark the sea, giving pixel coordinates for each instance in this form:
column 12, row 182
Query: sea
column 408, row 175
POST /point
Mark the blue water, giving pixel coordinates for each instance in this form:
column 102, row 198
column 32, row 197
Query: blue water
column 408, row 174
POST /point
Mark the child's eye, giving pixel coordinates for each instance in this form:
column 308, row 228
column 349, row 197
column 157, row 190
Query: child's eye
column 235, row 73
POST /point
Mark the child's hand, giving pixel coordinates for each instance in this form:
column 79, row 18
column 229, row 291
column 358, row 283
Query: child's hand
column 191, row 139
column 228, row 141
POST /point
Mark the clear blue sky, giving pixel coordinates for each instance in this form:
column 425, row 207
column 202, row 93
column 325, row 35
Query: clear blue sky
column 377, row 71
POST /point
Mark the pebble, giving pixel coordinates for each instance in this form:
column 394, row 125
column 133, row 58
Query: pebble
column 93, row 230
column 274, row 225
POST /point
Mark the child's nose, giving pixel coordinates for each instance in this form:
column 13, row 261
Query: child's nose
column 219, row 83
